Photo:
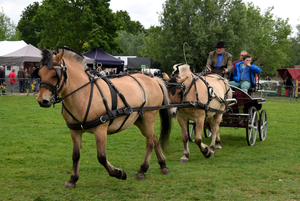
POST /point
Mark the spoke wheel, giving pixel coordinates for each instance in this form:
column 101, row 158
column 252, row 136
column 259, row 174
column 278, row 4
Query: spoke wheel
column 207, row 132
column 252, row 126
column 192, row 132
column 263, row 125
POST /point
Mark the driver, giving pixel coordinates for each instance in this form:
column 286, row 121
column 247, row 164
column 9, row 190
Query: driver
column 219, row 61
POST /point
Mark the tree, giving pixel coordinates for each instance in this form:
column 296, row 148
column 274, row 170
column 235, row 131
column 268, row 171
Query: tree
column 78, row 24
column 131, row 45
column 28, row 29
column 124, row 23
column 7, row 28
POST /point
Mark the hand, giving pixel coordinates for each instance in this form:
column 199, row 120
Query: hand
column 208, row 69
column 225, row 70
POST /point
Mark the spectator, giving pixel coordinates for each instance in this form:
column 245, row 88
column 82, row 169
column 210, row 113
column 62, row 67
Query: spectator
column 2, row 79
column 219, row 61
column 21, row 78
column 244, row 73
column 267, row 78
column 12, row 80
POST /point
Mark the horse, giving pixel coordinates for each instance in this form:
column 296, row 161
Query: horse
column 95, row 104
column 213, row 90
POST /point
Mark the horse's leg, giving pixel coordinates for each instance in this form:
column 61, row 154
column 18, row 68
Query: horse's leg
column 185, row 140
column 146, row 126
column 198, row 137
column 76, row 137
column 218, row 118
column 211, row 121
column 101, row 138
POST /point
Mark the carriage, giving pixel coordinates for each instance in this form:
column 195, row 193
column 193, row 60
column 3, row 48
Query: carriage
column 246, row 113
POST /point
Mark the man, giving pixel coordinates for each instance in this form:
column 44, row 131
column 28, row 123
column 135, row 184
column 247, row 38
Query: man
column 219, row 61
column 2, row 79
column 235, row 62
column 21, row 77
column 244, row 73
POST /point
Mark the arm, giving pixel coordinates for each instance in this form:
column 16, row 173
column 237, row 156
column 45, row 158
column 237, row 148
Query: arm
column 229, row 63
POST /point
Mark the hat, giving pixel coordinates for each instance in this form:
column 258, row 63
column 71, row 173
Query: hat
column 1, row 67
column 220, row 44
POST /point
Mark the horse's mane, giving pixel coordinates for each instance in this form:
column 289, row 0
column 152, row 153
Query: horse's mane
column 72, row 54
column 180, row 68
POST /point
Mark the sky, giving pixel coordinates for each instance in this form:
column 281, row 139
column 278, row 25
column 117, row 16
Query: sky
column 147, row 11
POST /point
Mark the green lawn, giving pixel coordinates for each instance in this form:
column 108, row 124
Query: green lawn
column 36, row 160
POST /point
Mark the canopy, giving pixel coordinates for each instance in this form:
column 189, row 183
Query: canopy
column 294, row 72
column 28, row 53
column 104, row 58
column 10, row 46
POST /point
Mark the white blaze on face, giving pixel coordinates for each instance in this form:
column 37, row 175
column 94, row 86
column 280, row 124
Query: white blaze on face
column 174, row 111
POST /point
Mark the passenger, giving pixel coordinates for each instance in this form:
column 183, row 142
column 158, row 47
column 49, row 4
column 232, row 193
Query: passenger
column 219, row 61
column 244, row 73
column 235, row 62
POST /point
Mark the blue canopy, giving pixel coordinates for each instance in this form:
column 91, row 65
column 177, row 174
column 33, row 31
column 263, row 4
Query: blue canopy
column 104, row 58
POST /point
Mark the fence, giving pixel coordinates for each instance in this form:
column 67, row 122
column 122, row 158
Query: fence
column 276, row 88
column 23, row 85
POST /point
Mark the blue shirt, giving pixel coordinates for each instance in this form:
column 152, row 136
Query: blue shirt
column 219, row 60
column 245, row 72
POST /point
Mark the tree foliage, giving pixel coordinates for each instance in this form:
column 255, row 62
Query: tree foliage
column 202, row 23
column 124, row 23
column 26, row 26
column 7, row 28
column 78, row 24
column 131, row 45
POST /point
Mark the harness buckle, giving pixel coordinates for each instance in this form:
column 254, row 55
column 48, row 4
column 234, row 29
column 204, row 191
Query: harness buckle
column 193, row 103
column 102, row 120
column 128, row 111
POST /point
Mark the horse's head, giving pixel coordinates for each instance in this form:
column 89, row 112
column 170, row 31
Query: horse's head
column 176, row 90
column 51, row 73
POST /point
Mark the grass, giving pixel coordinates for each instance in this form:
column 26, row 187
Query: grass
column 36, row 160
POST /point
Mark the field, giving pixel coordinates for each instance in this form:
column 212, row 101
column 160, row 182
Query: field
column 36, row 160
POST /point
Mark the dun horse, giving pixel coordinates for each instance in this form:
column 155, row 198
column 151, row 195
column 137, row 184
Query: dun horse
column 104, row 106
column 207, row 98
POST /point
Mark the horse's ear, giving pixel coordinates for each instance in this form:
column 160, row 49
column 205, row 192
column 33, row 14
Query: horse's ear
column 181, row 80
column 60, row 55
column 165, row 76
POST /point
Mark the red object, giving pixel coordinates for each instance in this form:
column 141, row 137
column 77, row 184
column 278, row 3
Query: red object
column 287, row 92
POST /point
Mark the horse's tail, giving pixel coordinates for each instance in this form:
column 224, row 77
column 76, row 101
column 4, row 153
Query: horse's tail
column 165, row 116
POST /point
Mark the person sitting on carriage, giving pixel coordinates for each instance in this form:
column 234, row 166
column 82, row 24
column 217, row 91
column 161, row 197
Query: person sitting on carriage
column 244, row 73
column 219, row 61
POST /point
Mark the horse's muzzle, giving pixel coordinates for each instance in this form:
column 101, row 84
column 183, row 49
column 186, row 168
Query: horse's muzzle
column 45, row 103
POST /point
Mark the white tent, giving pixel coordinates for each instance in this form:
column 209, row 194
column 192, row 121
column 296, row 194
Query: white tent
column 28, row 53
column 7, row 47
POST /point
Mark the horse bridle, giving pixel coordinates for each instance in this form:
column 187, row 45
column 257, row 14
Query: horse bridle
column 173, row 86
column 62, row 71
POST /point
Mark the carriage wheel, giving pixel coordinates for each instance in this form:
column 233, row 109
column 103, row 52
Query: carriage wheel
column 192, row 132
column 252, row 126
column 207, row 132
column 263, row 125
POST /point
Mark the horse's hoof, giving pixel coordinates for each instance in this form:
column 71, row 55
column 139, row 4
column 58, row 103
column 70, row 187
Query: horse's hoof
column 184, row 159
column 218, row 147
column 209, row 154
column 69, row 185
column 140, row 176
column 124, row 176
column 165, row 171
